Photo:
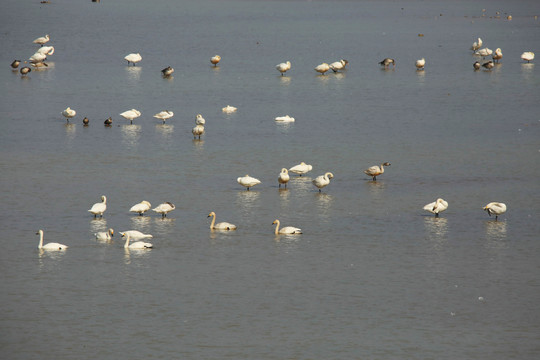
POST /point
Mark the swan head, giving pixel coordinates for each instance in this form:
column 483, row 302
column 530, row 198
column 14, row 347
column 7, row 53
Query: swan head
column 386, row 164
column 285, row 171
column 212, row 214
column 329, row 175
column 39, row 232
column 103, row 198
column 275, row 222
column 111, row 231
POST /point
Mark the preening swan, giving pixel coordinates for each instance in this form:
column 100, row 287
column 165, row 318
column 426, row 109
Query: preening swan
column 436, row 207
column 229, row 109
column 283, row 177
column 133, row 58
column 164, row 115
column 528, row 56
column 387, row 61
column 164, row 208
column 322, row 68
column 25, row 70
column 496, row 208
column 69, row 113
column 198, row 130
column 105, row 235
column 375, row 170
column 37, row 57
column 420, row 63
column 301, row 168
column 49, row 246
column 139, row 245
column 476, row 45
column 221, row 225
column 484, row 52
column 322, row 180
column 99, row 208
column 141, row 207
column 283, row 67
column 215, row 59
column 287, row 230
column 338, row 65
column 497, row 55
column 167, row 71
column 136, row 235
column 248, row 181
column 45, row 50
column 199, row 120
column 42, row 40
column 15, row 64
column 130, row 115
column 285, row 118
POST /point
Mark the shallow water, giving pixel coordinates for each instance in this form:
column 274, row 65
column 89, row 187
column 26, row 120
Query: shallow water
column 372, row 276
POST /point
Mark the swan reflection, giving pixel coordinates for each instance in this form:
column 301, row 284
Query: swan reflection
column 141, row 222
column 70, row 130
column 324, row 203
column 135, row 253
column 247, row 199
column 285, row 80
column 134, row 72
column 436, row 227
column 376, row 187
column 339, row 75
column 495, row 230
column 166, row 130
column 164, row 225
column 283, row 194
column 98, row 224
column 198, row 144
column 130, row 134
column 302, row 182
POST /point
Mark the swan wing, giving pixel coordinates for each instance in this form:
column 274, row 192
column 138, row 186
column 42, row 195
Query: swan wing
column 54, row 246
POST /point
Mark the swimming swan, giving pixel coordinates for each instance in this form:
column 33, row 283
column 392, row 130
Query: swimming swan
column 496, row 208
column 133, row 58
column 49, row 246
column 248, row 181
column 136, row 235
column 436, row 207
column 375, row 170
column 221, row 225
column 322, row 68
column 229, row 109
column 69, row 113
column 301, row 168
column 139, row 245
column 141, row 207
column 283, row 177
column 283, row 67
column 131, row 114
column 42, row 40
column 215, row 59
column 322, row 180
column 105, row 235
column 164, row 208
column 99, row 208
column 287, row 230
column 285, row 118
column 164, row 115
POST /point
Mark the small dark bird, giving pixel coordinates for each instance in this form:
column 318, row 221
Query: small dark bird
column 25, row 70
column 386, row 62
column 167, row 71
column 488, row 65
column 85, row 121
column 15, row 63
column 108, row 122
column 476, row 65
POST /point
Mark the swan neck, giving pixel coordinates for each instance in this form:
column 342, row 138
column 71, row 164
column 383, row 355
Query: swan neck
column 126, row 245
column 213, row 221
column 40, row 246
column 277, row 227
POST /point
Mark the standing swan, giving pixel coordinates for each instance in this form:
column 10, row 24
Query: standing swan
column 198, row 130
column 42, row 40
column 496, row 208
column 99, row 208
column 283, row 177
column 139, row 245
column 322, row 68
column 69, row 113
column 215, row 59
column 375, row 170
column 528, row 56
column 131, row 114
column 322, row 180
column 248, row 181
column 420, row 64
column 141, row 207
column 164, row 208
column 338, row 65
column 133, row 58
column 49, row 246
column 436, row 207
column 301, row 168
column 283, row 67
column 164, row 115
column 287, row 230
column 221, row 225
column 105, row 235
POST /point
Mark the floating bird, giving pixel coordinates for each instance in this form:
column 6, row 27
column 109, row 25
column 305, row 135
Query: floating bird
column 15, row 64
column 301, row 168
column 248, row 181
column 436, row 207
column 99, row 208
column 283, row 67
column 476, row 45
column 528, row 56
column 477, row 65
column 229, row 109
column 484, row 52
column 221, row 225
column 37, row 57
column 133, row 58
column 131, row 114
column 164, row 208
column 322, row 68
column 283, row 177
column 105, row 235
column 376, row 170
column 49, row 246
column 387, row 61
column 25, row 70
column 497, row 55
column 420, row 64
column 285, row 118
column 85, row 121
column 45, row 50
column 322, row 180
column 42, row 40
column 139, row 245
column 215, row 59
column 136, row 235
column 287, row 230
column 199, row 120
column 69, row 113
column 108, row 121
column 164, row 115
column 496, row 208
column 198, row 130
column 488, row 65
column 167, row 71
column 338, row 65
column 141, row 207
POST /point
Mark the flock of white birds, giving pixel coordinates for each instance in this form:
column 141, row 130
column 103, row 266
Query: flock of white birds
column 98, row 209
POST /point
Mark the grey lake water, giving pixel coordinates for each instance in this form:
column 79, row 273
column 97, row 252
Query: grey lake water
column 373, row 276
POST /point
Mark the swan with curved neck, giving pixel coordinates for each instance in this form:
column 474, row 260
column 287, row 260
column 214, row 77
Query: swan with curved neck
column 99, row 208
column 248, row 181
column 496, row 208
column 283, row 177
column 436, row 207
column 105, row 235
column 221, row 225
column 141, row 207
column 49, row 246
column 322, row 180
column 136, row 245
column 376, row 170
column 287, row 230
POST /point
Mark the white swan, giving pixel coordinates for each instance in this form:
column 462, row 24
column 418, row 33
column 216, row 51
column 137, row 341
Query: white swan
column 387, row 61
column 248, row 181
column 322, row 68
column 420, row 63
column 37, row 57
column 131, row 114
column 198, row 130
column 285, row 118
column 496, row 208
column 199, row 120
column 215, row 59
column 221, row 225
column 497, row 55
column 376, row 170
column 338, row 65
column 99, row 208
column 436, row 207
column 42, row 40
column 167, row 71
column 322, row 180
column 136, row 235
column 229, row 109
column 283, row 67
column 133, row 58
column 164, row 115
column 476, row 45
column 69, row 113
column 484, row 52
column 287, row 230
column 283, row 177
column 301, row 168
column 528, row 56
column 49, row 246
column 139, row 245
column 105, row 235
column 164, row 208
column 141, row 207
column 45, row 50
